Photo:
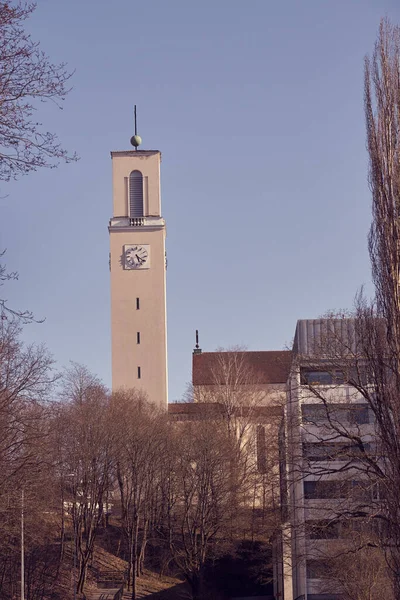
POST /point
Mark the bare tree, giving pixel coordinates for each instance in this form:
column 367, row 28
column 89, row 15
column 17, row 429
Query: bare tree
column 34, row 496
column 137, row 455
column 27, row 78
column 85, row 458
column 380, row 324
column 360, row 572
column 236, row 386
column 6, row 312
column 203, row 505
column 251, row 411
column 26, row 378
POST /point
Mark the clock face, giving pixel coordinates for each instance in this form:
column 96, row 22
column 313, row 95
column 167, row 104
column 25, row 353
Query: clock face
column 137, row 256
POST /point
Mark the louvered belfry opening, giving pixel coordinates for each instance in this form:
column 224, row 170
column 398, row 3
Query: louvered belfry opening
column 136, row 194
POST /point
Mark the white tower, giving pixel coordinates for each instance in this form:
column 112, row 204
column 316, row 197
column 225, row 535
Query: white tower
column 137, row 264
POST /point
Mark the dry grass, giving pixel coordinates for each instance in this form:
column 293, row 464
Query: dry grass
column 153, row 587
column 150, row 585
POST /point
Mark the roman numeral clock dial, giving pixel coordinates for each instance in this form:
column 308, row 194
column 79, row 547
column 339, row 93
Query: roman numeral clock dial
column 137, row 256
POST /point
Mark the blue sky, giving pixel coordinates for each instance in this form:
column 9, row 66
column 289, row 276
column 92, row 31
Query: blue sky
column 257, row 108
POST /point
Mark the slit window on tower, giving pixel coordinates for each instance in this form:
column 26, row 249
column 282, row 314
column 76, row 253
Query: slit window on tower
column 138, row 337
column 136, row 194
column 139, row 373
column 137, row 303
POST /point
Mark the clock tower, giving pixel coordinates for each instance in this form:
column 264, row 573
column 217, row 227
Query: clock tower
column 137, row 265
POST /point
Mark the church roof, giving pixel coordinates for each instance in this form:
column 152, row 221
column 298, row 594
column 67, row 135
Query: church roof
column 269, row 366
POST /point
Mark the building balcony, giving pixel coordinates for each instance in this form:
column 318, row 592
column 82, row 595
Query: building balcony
column 137, row 222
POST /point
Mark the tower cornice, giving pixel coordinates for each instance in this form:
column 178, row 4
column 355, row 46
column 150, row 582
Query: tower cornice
column 133, row 153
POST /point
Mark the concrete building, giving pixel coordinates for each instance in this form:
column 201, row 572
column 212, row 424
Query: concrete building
column 329, row 433
column 138, row 271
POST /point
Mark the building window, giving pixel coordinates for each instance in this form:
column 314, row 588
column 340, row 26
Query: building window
column 261, row 450
column 314, row 413
column 322, row 530
column 348, row 376
column 137, row 303
column 139, row 373
column 314, row 377
column 325, row 489
column 351, row 489
column 359, row 414
column 317, row 569
column 136, row 194
column 336, row 451
column 352, row 414
column 345, row 529
column 138, row 337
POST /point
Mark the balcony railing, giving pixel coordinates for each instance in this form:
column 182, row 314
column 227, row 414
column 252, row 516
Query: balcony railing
column 136, row 221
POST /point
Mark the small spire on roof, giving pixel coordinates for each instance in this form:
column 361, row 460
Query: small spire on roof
column 136, row 140
column 197, row 349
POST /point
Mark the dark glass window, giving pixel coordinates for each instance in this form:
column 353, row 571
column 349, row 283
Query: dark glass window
column 317, row 377
column 314, row 413
column 334, row 451
column 357, row 490
column 360, row 375
column 137, row 303
column 322, row 530
column 353, row 414
column 351, row 375
column 373, row 527
column 359, row 414
column 139, row 373
column 308, row 377
column 323, row 413
column 317, row 569
column 362, row 490
column 138, row 337
column 344, row 529
column 325, row 489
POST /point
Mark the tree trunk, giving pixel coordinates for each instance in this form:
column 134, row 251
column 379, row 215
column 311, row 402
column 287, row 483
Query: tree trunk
column 134, row 556
column 129, row 535
column 82, row 576
column 140, row 562
column 197, row 584
column 62, row 535
column 85, row 555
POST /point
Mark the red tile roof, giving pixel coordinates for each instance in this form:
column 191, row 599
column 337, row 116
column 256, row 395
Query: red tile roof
column 270, row 366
